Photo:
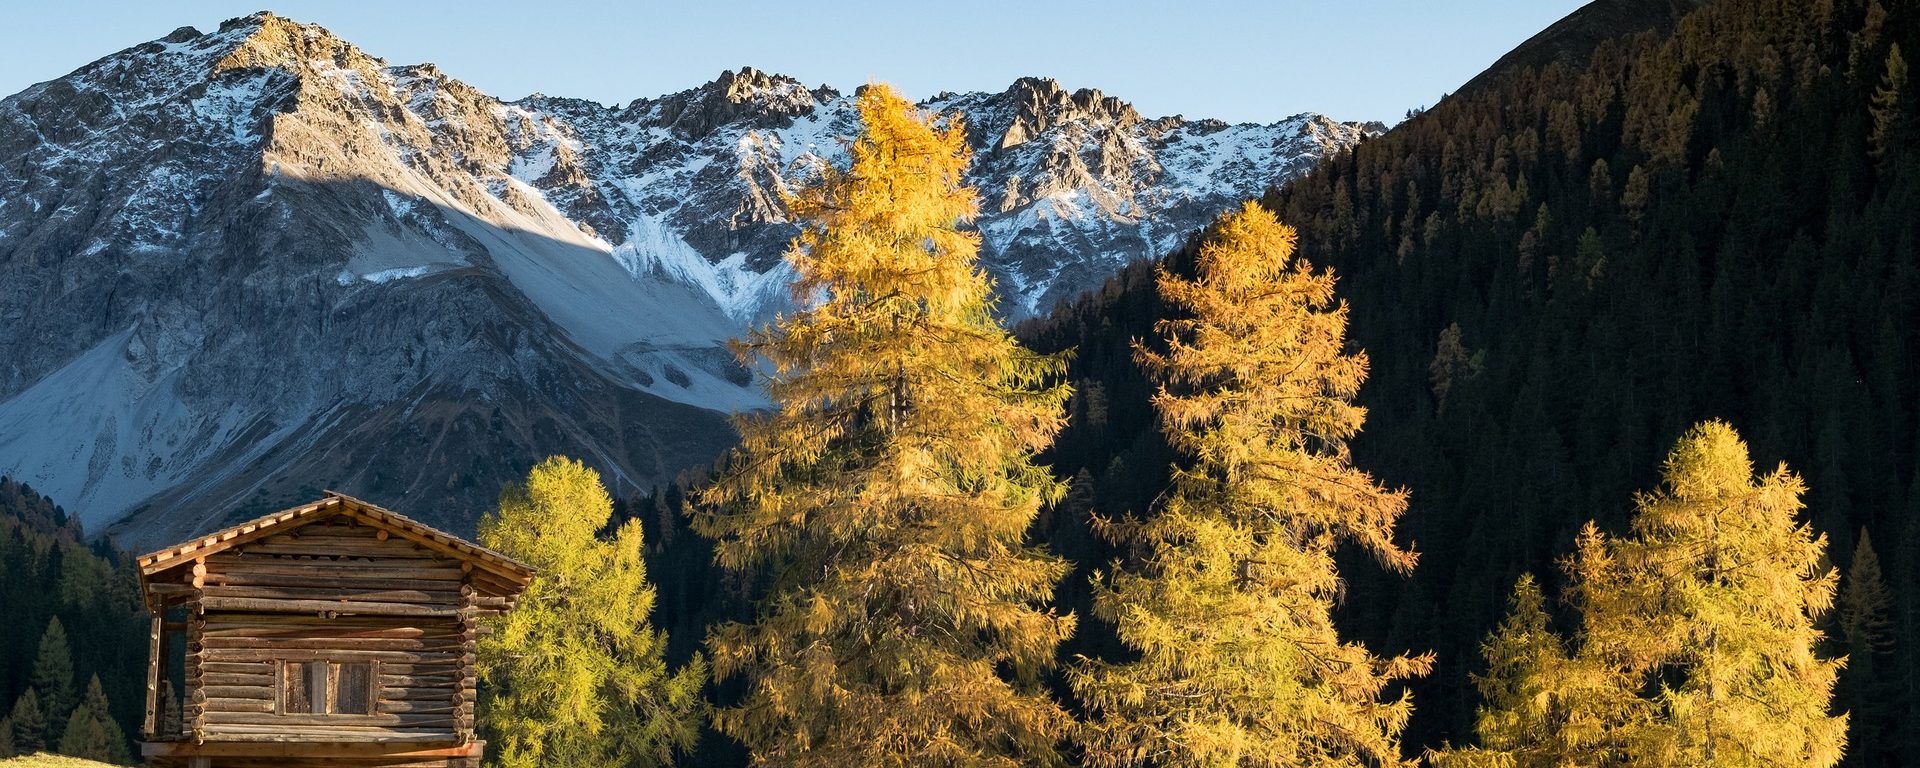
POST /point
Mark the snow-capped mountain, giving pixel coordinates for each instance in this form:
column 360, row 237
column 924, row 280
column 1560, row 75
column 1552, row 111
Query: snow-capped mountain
column 235, row 266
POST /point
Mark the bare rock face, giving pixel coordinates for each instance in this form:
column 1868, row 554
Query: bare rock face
column 748, row 97
column 1041, row 104
column 239, row 266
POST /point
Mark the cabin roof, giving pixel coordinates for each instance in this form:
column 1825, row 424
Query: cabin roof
column 336, row 504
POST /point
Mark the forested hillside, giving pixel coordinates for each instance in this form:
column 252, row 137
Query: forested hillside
column 74, row 637
column 1555, row 275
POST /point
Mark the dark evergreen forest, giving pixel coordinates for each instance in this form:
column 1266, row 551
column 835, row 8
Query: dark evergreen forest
column 52, row 577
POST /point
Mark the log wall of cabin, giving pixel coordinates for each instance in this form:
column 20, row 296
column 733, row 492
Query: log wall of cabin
column 337, row 593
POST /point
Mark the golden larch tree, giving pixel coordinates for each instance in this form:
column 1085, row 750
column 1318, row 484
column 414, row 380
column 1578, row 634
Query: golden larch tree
column 884, row 499
column 1697, row 643
column 1544, row 704
column 1229, row 610
column 1722, row 587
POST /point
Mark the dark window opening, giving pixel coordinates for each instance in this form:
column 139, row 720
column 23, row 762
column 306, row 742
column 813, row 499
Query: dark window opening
column 353, row 689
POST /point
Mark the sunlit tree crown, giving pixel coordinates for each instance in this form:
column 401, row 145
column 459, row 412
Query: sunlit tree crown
column 886, row 496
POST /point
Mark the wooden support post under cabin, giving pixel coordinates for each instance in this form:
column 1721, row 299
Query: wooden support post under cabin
column 155, row 657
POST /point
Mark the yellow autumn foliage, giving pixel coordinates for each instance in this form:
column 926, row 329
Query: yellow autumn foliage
column 1698, row 641
column 886, row 496
column 1230, row 611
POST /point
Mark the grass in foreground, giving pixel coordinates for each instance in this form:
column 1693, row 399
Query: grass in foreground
column 50, row 761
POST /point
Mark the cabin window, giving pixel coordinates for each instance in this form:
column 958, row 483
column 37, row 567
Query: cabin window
column 297, row 679
column 352, row 689
column 326, row 688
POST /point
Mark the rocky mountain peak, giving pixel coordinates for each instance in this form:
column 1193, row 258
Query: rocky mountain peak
column 1040, row 103
column 749, row 85
column 748, row 95
column 269, row 41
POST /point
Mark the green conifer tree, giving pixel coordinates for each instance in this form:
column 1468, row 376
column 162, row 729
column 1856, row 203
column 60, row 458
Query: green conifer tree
column 1450, row 363
column 1868, row 692
column 1865, row 604
column 30, row 725
column 53, row 673
column 574, row 677
column 887, row 495
column 91, row 732
column 82, row 736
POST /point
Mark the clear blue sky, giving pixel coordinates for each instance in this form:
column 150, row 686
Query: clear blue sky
column 1238, row 61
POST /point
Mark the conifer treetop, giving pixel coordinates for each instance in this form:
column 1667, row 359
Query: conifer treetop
column 1256, row 385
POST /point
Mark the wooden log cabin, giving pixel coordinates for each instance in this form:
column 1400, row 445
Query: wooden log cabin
column 332, row 633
